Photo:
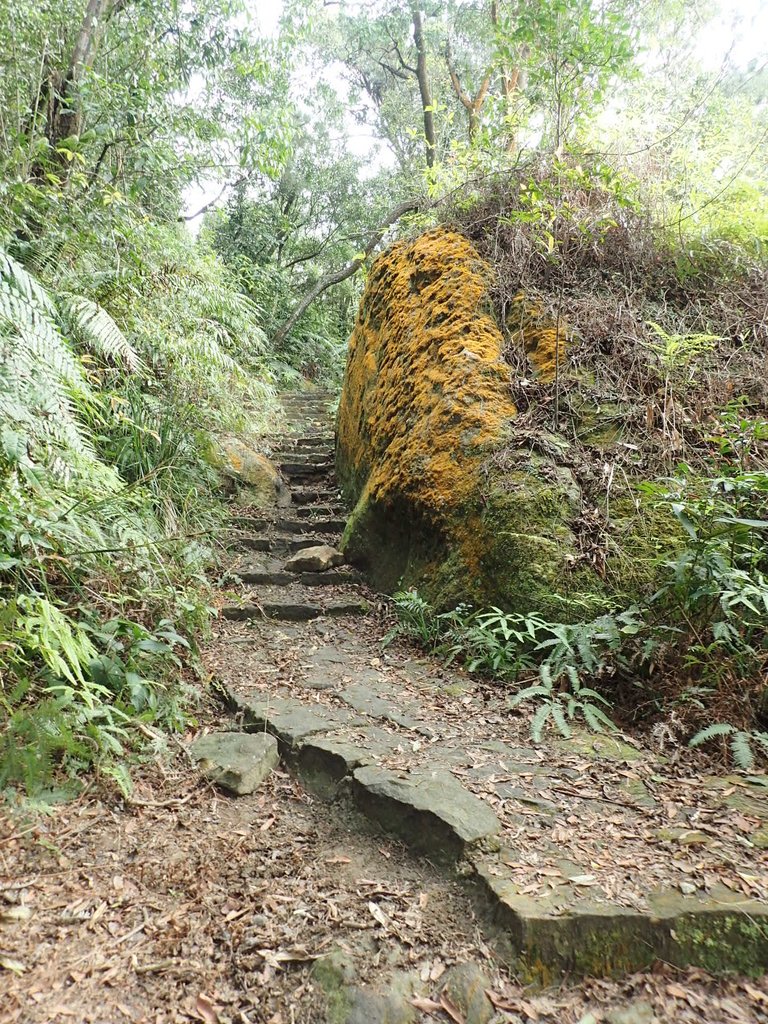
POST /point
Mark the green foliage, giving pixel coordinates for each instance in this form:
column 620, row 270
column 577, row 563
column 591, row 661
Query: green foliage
column 561, row 707
column 417, row 620
column 104, row 492
column 506, row 645
column 742, row 744
column 717, row 585
column 707, row 623
column 678, row 350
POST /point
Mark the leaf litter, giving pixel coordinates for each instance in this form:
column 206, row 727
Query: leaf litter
column 184, row 905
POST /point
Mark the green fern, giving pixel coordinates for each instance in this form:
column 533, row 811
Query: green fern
column 743, row 745
column 562, row 707
column 32, row 291
column 97, row 331
column 41, row 381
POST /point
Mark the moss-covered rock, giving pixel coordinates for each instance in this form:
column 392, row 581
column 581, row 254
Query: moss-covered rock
column 425, row 406
column 450, row 493
column 250, row 475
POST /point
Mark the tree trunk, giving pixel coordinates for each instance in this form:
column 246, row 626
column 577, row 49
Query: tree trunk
column 64, row 113
column 338, row 276
column 423, row 80
column 512, row 80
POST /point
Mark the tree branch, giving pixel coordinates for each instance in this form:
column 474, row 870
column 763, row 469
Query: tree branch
column 328, row 280
column 204, row 209
column 423, row 80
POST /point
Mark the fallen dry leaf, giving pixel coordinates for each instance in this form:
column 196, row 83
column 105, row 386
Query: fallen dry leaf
column 452, row 1010
column 378, row 915
column 205, row 1009
column 10, row 964
column 426, row 1005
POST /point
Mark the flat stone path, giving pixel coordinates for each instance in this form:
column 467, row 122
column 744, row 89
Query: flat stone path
column 592, row 856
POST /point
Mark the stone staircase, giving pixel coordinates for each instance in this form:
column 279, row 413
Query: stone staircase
column 314, row 518
column 591, row 855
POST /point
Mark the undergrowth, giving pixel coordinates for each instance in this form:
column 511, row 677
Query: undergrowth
column 115, row 369
column 693, row 653
column 659, row 404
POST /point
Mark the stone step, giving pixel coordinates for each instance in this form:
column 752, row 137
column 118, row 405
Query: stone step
column 318, row 525
column 277, row 542
column 562, row 923
column 312, row 495
column 295, row 612
column 280, row 578
column 327, row 508
column 316, row 395
column 306, row 524
column 316, row 441
column 321, row 459
column 299, row 428
column 295, row 411
column 302, row 471
column 315, row 405
column 320, row 448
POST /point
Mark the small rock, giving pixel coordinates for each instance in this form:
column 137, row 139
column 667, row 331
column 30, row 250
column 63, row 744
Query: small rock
column 375, row 1008
column 390, row 1005
column 316, row 559
column 237, row 761
column 639, row 1012
column 465, row 986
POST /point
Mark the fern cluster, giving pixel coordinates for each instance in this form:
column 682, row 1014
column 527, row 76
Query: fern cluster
column 698, row 643
column 110, row 386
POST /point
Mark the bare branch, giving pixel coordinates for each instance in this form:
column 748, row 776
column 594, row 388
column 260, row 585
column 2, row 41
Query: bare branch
column 342, row 274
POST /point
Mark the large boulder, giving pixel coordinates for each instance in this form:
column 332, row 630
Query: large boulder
column 444, row 497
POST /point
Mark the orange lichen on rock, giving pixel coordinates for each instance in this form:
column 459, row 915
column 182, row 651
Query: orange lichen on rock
column 426, row 394
column 542, row 340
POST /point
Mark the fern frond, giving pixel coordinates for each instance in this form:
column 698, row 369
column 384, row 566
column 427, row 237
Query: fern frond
column 41, row 381
column 539, row 721
column 527, row 693
column 741, row 751
column 559, row 719
column 96, row 329
column 597, row 720
column 28, row 288
column 711, row 731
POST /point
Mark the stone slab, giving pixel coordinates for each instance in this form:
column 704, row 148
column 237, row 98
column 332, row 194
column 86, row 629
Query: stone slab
column 293, row 611
column 238, row 762
column 290, row 720
column 431, row 811
column 588, row 936
column 369, row 702
column 325, row 761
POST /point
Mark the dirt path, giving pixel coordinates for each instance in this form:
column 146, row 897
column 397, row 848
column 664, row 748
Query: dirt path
column 304, row 901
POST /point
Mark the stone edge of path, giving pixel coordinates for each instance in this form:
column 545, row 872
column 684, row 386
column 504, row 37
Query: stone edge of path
column 438, row 817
